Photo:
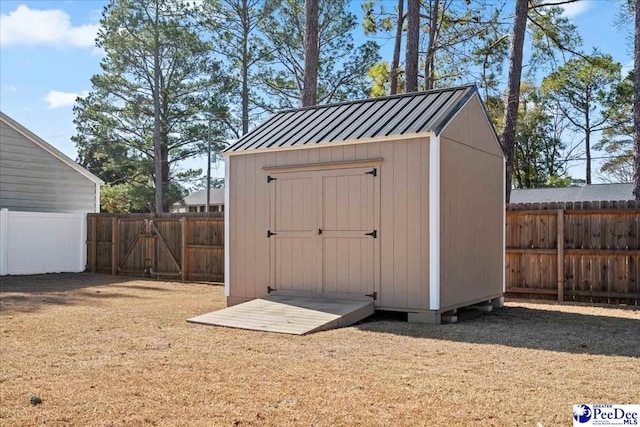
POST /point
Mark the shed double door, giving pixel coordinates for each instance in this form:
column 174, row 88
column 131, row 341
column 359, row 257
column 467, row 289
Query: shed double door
column 322, row 231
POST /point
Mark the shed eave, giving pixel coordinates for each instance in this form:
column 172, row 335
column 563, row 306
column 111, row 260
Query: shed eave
column 430, row 134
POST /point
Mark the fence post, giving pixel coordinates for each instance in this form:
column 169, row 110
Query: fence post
column 94, row 243
column 114, row 246
column 560, row 245
column 185, row 229
column 4, row 242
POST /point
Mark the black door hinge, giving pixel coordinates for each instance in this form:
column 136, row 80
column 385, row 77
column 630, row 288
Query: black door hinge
column 270, row 178
column 373, row 172
column 269, row 234
column 374, row 295
column 373, row 234
column 270, row 289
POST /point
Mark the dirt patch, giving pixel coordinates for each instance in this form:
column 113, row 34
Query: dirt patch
column 107, row 351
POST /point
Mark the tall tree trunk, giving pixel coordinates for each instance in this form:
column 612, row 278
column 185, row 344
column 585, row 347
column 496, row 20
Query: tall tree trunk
column 165, row 175
column 508, row 139
column 396, row 49
column 245, row 67
column 311, row 53
column 157, row 122
column 587, row 144
column 636, row 107
column 429, row 72
column 413, row 36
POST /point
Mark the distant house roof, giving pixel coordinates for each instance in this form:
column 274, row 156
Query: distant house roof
column 586, row 193
column 216, row 196
column 48, row 147
column 409, row 113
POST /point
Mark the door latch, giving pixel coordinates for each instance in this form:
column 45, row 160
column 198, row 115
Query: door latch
column 319, row 230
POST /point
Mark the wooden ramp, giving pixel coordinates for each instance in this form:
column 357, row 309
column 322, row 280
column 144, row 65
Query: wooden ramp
column 286, row 314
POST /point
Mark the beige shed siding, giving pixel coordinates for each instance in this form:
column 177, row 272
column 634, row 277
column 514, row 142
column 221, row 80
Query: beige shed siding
column 470, row 127
column 403, row 232
column 471, row 211
column 31, row 179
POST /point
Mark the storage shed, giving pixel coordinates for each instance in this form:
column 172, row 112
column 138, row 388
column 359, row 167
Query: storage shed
column 399, row 198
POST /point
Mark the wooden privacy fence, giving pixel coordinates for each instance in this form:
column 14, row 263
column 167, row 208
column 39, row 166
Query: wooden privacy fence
column 181, row 246
column 583, row 251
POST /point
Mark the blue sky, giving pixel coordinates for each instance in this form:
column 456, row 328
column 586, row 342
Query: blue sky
column 47, row 57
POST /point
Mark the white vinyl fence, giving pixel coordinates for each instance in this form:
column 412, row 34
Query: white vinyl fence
column 35, row 243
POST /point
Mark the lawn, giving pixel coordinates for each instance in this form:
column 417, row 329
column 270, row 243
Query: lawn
column 108, row 351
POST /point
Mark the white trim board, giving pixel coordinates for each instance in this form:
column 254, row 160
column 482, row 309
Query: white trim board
column 434, row 223
column 227, row 238
column 48, row 148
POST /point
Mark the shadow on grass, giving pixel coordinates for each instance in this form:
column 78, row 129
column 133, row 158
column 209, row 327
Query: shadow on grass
column 523, row 327
column 58, row 282
column 31, row 293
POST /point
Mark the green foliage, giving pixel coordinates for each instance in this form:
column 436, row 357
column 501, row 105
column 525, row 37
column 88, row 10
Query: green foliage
column 379, row 75
column 617, row 140
column 539, row 155
column 343, row 66
column 581, row 87
column 552, row 35
column 470, row 42
column 115, row 122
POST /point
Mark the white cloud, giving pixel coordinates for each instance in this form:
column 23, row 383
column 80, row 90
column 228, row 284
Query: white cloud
column 57, row 99
column 626, row 68
column 28, row 27
column 571, row 10
column 12, row 88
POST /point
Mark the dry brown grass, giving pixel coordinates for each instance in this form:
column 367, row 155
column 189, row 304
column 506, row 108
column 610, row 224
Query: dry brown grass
column 115, row 352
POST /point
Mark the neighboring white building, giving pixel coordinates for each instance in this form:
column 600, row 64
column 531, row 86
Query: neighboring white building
column 196, row 202
column 44, row 199
column 36, row 177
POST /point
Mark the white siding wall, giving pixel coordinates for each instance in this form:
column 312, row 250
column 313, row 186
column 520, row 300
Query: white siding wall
column 35, row 243
column 31, row 179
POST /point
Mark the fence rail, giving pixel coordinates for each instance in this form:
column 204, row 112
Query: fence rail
column 584, row 251
column 181, row 246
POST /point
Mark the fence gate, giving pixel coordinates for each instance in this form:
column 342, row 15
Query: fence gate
column 179, row 246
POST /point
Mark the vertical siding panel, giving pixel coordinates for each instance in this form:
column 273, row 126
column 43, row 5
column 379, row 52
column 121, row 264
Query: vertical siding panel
column 240, row 212
column 261, row 243
column 424, row 219
column 303, row 157
column 325, row 154
column 361, row 151
column 342, row 203
column 349, row 152
column 270, row 159
column 313, row 155
column 292, row 157
column 400, row 223
column 250, row 225
column 374, row 150
column 281, row 158
column 337, row 154
column 386, row 225
column 414, row 225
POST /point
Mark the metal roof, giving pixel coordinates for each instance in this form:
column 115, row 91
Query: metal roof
column 216, row 197
column 586, row 193
column 409, row 113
